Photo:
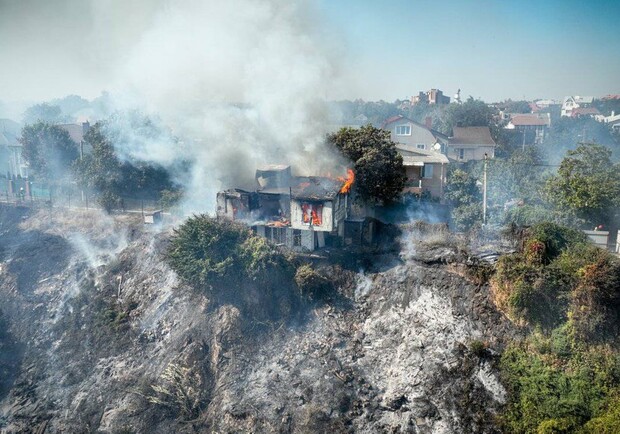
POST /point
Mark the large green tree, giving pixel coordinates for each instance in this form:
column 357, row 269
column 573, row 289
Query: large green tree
column 105, row 173
column 44, row 112
column 463, row 194
column 378, row 167
column 49, row 151
column 587, row 185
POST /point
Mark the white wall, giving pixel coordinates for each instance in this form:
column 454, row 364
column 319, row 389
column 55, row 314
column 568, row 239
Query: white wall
column 297, row 221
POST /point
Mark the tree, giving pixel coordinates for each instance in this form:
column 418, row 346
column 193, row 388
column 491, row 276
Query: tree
column 49, row 151
column 472, row 113
column 44, row 113
column 378, row 167
column 587, row 185
column 103, row 171
column 464, row 195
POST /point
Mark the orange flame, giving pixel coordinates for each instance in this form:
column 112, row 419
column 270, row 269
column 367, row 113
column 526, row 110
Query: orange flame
column 348, row 181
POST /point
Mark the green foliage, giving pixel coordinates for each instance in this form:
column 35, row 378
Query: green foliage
column 511, row 106
column 105, row 173
column 547, row 393
column 46, row 113
column 478, row 348
column 565, row 377
column 466, row 199
column 221, row 256
column 49, row 151
column 556, row 238
column 170, row 198
column 567, row 133
column 311, row 284
column 378, row 167
column 587, row 185
column 472, row 113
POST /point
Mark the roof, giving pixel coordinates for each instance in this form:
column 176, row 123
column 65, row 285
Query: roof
column 531, row 119
column 471, row 136
column 314, row 188
column 585, row 111
column 580, row 99
column 76, row 131
column 397, row 118
column 418, row 157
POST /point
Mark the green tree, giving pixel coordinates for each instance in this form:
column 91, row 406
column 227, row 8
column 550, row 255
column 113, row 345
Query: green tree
column 378, row 167
column 103, row 172
column 49, row 151
column 463, row 194
column 220, row 256
column 587, row 184
column 472, row 113
column 43, row 113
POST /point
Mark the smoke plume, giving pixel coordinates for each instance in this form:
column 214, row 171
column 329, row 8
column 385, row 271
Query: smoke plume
column 241, row 83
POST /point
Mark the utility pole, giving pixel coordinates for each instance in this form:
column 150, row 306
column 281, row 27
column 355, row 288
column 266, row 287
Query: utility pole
column 484, row 191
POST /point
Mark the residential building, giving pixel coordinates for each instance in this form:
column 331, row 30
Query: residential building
column 471, row 143
column 426, row 171
column 11, row 161
column 409, row 132
column 571, row 103
column 299, row 212
column 533, row 126
column 77, row 133
column 422, row 150
column 583, row 112
column 432, row 96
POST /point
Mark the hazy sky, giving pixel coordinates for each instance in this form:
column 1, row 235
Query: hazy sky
column 379, row 49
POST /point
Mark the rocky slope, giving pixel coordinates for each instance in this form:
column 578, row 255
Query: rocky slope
column 99, row 335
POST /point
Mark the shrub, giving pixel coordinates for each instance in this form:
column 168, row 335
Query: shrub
column 221, row 256
column 311, row 283
column 556, row 238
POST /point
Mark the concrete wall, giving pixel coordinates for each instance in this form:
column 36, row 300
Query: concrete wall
column 419, row 135
column 599, row 238
column 470, row 153
column 433, row 185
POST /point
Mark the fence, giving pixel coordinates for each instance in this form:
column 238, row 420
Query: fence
column 19, row 191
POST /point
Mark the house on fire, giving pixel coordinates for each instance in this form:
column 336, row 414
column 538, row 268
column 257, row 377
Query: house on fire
column 300, row 212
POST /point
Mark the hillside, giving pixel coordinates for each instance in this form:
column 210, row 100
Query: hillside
column 105, row 337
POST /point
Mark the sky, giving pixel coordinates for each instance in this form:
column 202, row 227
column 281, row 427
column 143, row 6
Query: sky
column 491, row 50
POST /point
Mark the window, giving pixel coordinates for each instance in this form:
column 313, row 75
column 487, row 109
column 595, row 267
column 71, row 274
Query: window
column 427, row 171
column 420, row 146
column 403, row 130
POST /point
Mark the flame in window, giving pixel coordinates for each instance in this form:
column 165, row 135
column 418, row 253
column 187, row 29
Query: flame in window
column 348, row 181
column 312, row 214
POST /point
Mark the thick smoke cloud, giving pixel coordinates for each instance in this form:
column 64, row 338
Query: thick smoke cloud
column 241, row 82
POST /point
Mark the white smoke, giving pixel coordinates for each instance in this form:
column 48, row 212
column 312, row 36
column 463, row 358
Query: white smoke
column 242, row 82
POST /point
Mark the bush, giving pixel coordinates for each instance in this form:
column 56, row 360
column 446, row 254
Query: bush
column 556, row 238
column 219, row 256
column 311, row 283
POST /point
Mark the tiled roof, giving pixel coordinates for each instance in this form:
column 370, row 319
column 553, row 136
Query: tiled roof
column 471, row 136
column 585, row 111
column 530, row 120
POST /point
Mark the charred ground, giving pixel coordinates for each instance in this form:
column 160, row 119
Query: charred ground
column 112, row 340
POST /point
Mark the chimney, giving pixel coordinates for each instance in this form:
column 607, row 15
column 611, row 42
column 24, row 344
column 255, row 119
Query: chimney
column 428, row 121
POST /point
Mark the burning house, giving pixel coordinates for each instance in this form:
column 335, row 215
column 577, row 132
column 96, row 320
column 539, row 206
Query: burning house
column 300, row 212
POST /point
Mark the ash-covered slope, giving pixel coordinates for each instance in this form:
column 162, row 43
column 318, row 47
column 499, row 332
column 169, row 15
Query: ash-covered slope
column 105, row 338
